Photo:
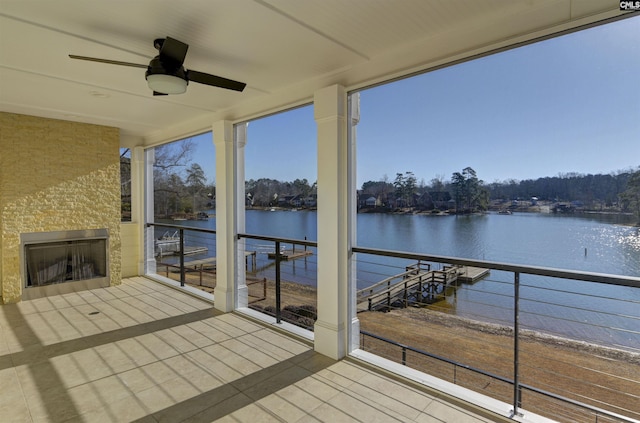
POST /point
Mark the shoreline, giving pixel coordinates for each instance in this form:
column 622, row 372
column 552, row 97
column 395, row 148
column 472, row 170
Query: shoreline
column 450, row 320
column 438, row 213
column 297, row 294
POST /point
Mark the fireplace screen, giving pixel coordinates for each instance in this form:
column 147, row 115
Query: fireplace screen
column 48, row 263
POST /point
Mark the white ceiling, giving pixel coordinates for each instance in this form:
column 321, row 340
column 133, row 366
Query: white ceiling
column 283, row 49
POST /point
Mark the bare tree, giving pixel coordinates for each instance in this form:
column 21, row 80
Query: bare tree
column 125, row 184
column 170, row 159
column 175, row 154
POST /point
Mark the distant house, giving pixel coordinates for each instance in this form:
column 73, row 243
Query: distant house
column 311, row 200
column 563, row 208
column 283, row 200
column 578, row 204
column 290, row 201
column 368, row 200
column 296, row 201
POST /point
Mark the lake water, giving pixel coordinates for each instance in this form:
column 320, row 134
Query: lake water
column 592, row 243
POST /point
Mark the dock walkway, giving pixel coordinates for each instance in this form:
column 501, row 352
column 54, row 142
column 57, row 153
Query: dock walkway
column 208, row 264
column 418, row 285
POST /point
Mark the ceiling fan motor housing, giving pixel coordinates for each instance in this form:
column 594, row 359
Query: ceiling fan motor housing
column 165, row 77
column 158, row 67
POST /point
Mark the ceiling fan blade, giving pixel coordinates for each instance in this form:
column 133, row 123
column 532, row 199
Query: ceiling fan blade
column 173, row 51
column 110, row 62
column 215, row 81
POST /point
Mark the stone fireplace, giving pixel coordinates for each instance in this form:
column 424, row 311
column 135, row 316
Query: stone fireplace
column 59, row 185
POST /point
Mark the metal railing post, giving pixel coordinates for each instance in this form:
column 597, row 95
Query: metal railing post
column 516, row 330
column 264, row 288
column 182, row 275
column 278, row 298
column 404, row 356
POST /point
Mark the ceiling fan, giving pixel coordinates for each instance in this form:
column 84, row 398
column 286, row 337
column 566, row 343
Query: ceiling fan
column 165, row 73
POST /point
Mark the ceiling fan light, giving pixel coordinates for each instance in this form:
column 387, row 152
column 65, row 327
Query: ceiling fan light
column 167, row 84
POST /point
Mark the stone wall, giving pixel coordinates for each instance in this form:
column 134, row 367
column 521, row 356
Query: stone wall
column 55, row 176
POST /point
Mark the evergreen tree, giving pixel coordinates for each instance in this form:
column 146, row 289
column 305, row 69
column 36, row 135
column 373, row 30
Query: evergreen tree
column 405, row 186
column 458, row 183
column 196, row 181
column 469, row 192
column 631, row 196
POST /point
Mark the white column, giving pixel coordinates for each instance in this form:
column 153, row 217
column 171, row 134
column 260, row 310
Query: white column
column 137, row 201
column 226, row 216
column 241, row 271
column 354, row 119
column 149, row 238
column 331, row 328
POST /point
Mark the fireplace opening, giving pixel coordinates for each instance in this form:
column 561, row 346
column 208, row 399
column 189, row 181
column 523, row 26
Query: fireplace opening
column 62, row 258
column 58, row 262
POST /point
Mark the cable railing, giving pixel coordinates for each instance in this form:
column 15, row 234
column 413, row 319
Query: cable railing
column 280, row 273
column 283, row 284
column 185, row 254
column 559, row 343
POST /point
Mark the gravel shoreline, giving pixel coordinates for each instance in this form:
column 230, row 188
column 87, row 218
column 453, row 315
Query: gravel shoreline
column 604, row 377
column 448, row 320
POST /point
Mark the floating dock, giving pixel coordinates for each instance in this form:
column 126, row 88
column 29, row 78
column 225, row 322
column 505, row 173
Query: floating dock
column 468, row 274
column 189, row 251
column 210, row 262
column 290, row 255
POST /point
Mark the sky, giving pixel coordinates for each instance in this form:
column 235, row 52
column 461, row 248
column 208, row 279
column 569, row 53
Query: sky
column 569, row 104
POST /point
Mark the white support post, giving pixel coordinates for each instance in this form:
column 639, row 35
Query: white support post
column 137, row 201
column 331, row 328
column 240, row 134
column 149, row 238
column 226, row 216
column 352, row 205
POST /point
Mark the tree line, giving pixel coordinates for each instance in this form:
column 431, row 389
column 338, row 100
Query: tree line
column 266, row 192
column 181, row 187
column 465, row 192
column 599, row 189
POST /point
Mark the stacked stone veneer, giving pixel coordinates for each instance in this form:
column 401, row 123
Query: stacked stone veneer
column 55, row 176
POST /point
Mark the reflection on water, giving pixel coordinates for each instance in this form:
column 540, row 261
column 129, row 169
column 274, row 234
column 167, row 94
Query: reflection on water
column 530, row 239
